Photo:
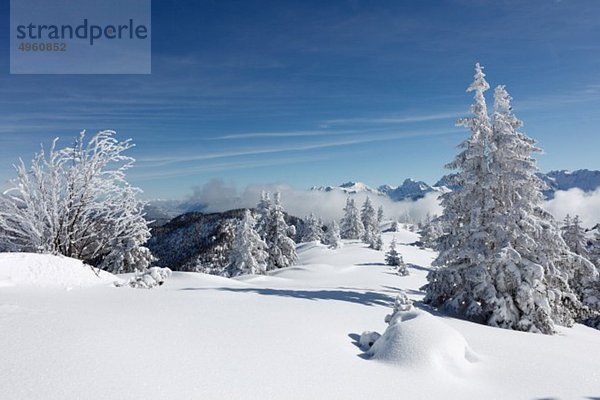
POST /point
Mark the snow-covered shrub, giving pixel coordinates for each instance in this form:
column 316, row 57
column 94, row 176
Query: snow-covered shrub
column 402, row 304
column 417, row 339
column 148, row 279
column 76, row 202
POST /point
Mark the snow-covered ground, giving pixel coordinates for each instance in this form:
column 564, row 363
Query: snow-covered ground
column 289, row 335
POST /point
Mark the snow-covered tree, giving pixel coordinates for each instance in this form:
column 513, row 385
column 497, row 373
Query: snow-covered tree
column 432, row 231
column 77, row 202
column 280, row 247
column 574, row 236
column 502, row 260
column 312, row 229
column 377, row 242
column 395, row 227
column 595, row 248
column 380, row 214
column 394, row 259
column 248, row 253
column 331, row 238
column 351, row 225
column 372, row 233
column 263, row 211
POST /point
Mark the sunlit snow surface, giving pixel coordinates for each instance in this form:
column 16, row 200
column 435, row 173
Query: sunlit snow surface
column 290, row 335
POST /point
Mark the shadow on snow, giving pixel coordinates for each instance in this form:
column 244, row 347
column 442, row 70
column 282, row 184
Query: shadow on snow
column 365, row 298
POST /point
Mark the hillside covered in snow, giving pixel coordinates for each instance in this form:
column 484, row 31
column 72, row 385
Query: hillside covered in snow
column 292, row 333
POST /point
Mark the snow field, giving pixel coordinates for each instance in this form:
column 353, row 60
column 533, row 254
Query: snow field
column 291, row 334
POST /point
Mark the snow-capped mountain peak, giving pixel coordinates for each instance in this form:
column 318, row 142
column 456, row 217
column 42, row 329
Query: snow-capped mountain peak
column 349, row 188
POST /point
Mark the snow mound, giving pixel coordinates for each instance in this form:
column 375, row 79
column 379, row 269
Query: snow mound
column 148, row 279
column 45, row 270
column 416, row 339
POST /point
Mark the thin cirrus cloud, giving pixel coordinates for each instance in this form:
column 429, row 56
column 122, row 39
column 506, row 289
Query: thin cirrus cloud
column 164, row 161
column 391, row 119
column 221, row 166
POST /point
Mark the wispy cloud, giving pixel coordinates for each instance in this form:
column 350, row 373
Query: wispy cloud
column 283, row 134
column 391, row 119
column 163, row 161
column 218, row 167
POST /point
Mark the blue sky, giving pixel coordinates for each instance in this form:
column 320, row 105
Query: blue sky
column 314, row 93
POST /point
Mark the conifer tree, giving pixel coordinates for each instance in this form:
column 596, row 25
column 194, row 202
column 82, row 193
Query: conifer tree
column 574, row 236
column 281, row 247
column 502, row 260
column 380, row 214
column 312, row 229
column 248, row 253
column 394, row 259
column 372, row 233
column 263, row 210
column 331, row 237
column 351, row 225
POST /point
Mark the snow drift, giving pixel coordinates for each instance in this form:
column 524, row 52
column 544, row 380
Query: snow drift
column 415, row 339
column 45, row 270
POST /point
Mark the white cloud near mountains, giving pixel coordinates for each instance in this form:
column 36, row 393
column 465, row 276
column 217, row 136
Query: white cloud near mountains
column 576, row 202
column 219, row 196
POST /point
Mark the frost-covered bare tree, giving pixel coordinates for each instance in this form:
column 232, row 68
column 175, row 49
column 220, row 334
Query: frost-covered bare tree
column 77, row 202
column 502, row 260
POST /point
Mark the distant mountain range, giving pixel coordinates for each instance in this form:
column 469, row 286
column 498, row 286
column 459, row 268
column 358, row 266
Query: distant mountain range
column 162, row 211
column 410, row 189
column 583, row 179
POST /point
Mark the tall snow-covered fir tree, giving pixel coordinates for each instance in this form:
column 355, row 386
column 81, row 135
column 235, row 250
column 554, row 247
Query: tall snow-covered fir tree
column 312, row 229
column 263, row 210
column 77, row 202
column 281, row 247
column 248, row 253
column 372, row 233
column 351, row 225
column 502, row 260
column 331, row 238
